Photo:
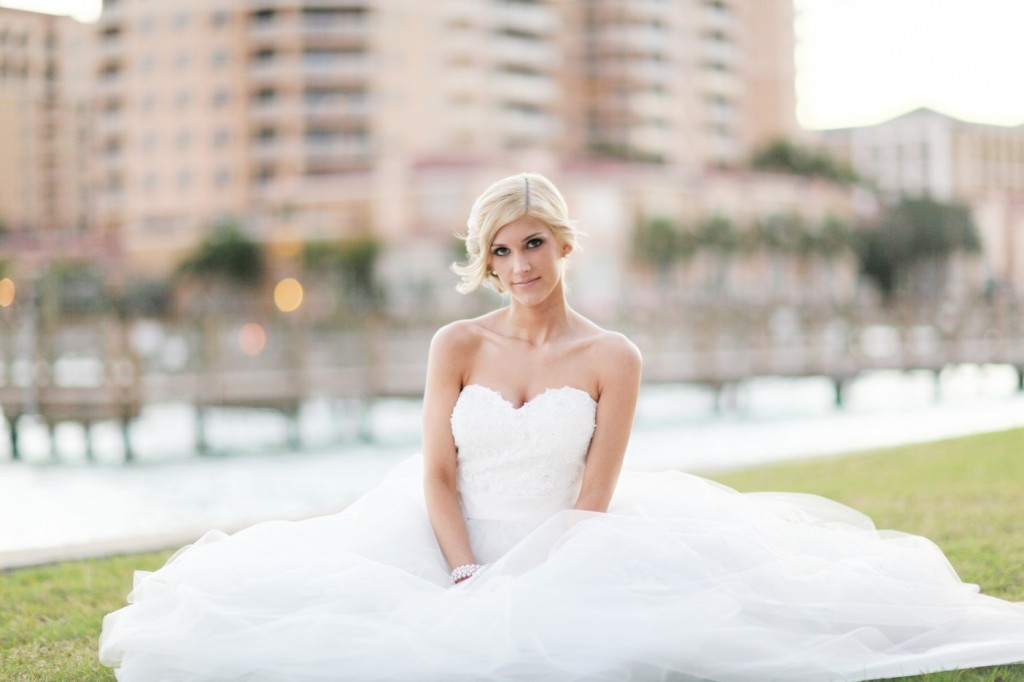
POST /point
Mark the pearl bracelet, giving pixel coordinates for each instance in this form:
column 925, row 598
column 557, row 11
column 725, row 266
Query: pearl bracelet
column 464, row 571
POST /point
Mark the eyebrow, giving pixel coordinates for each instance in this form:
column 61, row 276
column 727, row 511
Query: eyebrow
column 525, row 239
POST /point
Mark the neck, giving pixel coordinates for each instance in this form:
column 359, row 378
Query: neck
column 540, row 323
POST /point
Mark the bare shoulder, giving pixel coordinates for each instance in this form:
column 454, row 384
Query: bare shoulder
column 458, row 340
column 616, row 349
column 609, row 346
column 454, row 336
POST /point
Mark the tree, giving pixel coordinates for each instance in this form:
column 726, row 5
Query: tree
column 350, row 265
column 788, row 157
column 718, row 235
column 911, row 245
column 225, row 270
column 228, row 256
column 661, row 243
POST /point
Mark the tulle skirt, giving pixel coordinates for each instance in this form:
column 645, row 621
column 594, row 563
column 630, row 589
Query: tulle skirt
column 683, row 579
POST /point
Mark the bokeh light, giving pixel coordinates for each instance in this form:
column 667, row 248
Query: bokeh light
column 252, row 338
column 6, row 292
column 288, row 294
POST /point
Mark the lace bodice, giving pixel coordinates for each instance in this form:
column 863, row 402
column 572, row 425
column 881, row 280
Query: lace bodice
column 536, row 449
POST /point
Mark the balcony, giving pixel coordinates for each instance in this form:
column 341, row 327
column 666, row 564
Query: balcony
column 333, row 27
column 274, row 110
column 338, row 147
column 537, row 19
column 720, row 51
column 532, row 125
column 337, row 109
column 109, row 123
column 464, row 12
column 110, row 85
column 644, row 10
column 279, row 5
column 111, row 47
column 721, row 82
column 270, row 150
column 717, row 19
column 271, row 29
column 533, row 54
column 523, row 88
column 649, row 73
column 637, row 39
column 648, row 105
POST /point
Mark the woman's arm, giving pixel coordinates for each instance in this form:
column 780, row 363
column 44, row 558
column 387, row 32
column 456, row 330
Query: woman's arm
column 619, row 385
column 448, row 350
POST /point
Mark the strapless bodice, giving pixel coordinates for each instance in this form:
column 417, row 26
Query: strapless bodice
column 536, row 450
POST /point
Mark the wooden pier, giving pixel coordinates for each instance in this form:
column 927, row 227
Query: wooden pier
column 357, row 366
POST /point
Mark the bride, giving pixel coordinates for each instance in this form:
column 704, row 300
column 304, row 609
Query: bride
column 513, row 549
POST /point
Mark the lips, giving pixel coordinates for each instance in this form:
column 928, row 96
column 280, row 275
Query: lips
column 525, row 283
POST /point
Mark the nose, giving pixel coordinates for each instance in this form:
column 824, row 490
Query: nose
column 521, row 263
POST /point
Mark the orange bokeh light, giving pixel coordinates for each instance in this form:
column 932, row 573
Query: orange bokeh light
column 288, row 294
column 7, row 292
column 252, row 338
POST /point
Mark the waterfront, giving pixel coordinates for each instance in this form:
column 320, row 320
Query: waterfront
column 171, row 491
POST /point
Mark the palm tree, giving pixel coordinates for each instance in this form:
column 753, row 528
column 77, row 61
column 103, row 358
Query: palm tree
column 348, row 267
column 718, row 235
column 226, row 268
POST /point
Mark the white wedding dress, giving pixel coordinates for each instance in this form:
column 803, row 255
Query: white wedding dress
column 683, row 579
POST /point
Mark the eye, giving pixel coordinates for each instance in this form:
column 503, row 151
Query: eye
column 500, row 251
column 534, row 243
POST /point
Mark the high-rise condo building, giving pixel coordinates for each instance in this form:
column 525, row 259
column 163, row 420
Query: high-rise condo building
column 306, row 119
column 44, row 126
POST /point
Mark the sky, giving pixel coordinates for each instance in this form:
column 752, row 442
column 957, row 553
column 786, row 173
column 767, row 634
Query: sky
column 863, row 61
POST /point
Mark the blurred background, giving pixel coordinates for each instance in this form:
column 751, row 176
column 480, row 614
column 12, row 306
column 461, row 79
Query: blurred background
column 226, row 226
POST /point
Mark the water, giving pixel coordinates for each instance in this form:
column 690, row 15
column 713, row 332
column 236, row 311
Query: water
column 171, row 491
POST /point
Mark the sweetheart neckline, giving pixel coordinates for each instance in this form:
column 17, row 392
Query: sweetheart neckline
column 550, row 389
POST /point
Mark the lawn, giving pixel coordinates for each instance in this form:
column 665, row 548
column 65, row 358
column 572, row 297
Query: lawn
column 965, row 494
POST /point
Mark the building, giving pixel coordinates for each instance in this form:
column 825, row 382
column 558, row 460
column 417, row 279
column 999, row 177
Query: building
column 311, row 120
column 926, row 152
column 45, row 67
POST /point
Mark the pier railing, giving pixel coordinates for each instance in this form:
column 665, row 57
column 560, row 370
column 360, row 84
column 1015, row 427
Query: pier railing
column 109, row 368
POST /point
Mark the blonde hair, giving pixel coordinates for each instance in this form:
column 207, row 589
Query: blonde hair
column 507, row 200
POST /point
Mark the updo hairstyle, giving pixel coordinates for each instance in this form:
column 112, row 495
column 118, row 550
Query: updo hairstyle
column 503, row 202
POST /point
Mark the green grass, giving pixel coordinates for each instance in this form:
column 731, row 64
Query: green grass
column 50, row 616
column 964, row 494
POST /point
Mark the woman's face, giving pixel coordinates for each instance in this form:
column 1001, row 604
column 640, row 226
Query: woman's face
column 526, row 258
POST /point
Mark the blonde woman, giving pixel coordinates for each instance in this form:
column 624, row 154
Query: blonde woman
column 515, row 550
